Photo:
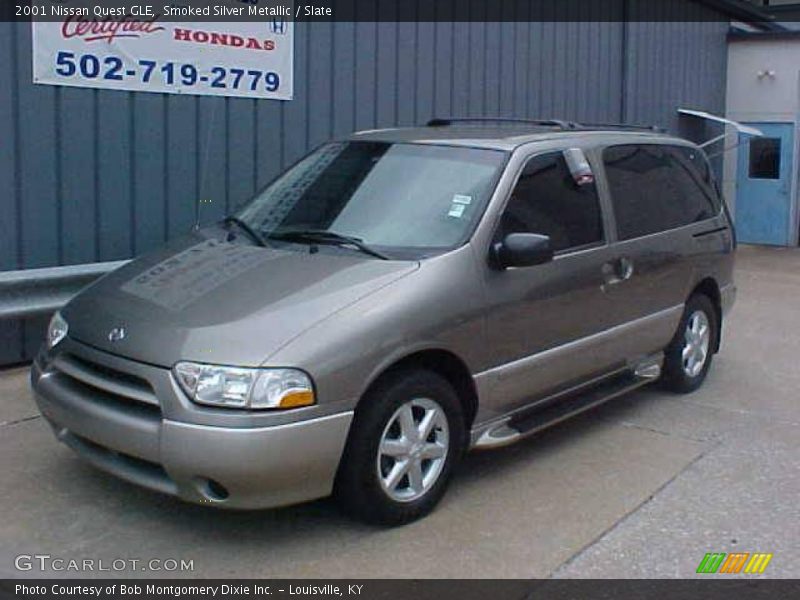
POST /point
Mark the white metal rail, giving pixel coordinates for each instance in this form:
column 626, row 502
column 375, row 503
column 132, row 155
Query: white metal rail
column 32, row 292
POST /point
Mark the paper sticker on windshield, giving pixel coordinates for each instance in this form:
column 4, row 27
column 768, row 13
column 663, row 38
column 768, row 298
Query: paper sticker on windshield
column 462, row 199
column 457, row 210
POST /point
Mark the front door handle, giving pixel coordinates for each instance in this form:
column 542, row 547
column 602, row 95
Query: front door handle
column 617, row 271
column 625, row 268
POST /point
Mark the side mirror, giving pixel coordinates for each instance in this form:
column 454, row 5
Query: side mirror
column 522, row 250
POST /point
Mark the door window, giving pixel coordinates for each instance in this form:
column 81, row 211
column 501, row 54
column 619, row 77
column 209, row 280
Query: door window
column 765, row 158
column 547, row 201
column 656, row 187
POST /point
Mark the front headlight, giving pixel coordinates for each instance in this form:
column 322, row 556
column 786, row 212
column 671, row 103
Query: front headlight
column 56, row 330
column 244, row 388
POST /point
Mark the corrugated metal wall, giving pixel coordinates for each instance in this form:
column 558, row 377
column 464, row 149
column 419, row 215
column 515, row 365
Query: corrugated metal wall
column 95, row 175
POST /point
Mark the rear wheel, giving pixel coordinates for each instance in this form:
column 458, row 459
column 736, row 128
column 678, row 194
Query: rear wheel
column 407, row 435
column 688, row 357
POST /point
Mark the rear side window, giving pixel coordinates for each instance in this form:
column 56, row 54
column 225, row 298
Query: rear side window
column 547, row 201
column 702, row 188
column 656, row 187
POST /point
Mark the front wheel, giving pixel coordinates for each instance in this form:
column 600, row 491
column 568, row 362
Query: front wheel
column 688, row 357
column 407, row 435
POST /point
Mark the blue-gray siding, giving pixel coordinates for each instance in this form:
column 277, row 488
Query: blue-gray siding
column 96, row 175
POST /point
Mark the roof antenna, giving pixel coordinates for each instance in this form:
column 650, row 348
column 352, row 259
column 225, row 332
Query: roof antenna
column 204, row 169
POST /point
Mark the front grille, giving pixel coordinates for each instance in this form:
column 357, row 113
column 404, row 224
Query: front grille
column 103, row 399
column 114, row 385
column 107, row 403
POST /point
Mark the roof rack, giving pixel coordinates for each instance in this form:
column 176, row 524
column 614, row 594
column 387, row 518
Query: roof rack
column 444, row 122
column 568, row 125
column 655, row 128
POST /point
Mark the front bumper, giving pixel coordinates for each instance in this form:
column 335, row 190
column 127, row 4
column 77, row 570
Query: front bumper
column 113, row 416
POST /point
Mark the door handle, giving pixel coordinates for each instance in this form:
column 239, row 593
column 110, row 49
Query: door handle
column 625, row 268
column 617, row 271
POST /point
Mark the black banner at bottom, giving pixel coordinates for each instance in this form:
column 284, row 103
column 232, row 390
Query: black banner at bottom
column 369, row 589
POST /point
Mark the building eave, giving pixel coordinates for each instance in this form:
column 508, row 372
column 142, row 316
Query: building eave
column 787, row 34
column 746, row 12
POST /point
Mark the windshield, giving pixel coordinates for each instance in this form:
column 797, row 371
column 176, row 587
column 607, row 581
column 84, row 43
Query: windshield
column 406, row 199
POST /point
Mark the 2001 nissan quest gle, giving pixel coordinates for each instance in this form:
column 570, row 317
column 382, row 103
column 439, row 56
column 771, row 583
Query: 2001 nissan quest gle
column 390, row 301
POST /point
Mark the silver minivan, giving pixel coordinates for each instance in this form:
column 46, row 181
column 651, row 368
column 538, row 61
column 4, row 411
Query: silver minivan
column 389, row 302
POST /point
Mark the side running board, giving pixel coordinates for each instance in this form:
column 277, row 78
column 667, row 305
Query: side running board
column 548, row 413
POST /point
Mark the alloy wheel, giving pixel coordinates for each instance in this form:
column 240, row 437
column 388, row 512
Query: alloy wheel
column 697, row 339
column 413, row 449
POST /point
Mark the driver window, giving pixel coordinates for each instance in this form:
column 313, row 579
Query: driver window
column 547, row 201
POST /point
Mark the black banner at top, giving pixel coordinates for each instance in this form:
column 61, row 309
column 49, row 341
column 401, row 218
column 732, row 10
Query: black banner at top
column 388, row 10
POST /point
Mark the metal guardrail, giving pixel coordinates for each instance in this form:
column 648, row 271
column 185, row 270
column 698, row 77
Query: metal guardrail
column 32, row 292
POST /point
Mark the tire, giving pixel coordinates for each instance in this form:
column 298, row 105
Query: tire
column 685, row 363
column 382, row 449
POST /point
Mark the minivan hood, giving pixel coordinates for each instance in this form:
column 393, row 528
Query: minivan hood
column 209, row 300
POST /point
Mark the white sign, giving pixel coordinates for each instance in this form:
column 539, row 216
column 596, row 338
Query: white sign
column 249, row 60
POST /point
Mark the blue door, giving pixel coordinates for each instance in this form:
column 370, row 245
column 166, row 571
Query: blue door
column 764, row 186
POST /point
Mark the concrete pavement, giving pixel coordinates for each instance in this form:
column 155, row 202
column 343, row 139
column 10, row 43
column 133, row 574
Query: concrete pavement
column 742, row 494
column 642, row 487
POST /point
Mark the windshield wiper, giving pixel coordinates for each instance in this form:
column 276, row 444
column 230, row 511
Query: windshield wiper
column 322, row 236
column 254, row 235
